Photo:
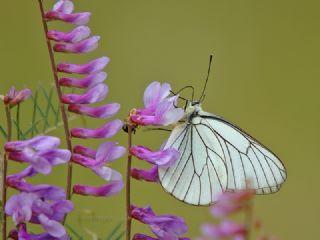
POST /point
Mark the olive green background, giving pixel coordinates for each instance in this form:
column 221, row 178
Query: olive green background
column 265, row 79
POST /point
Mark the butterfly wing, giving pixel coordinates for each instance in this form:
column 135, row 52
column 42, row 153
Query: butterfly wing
column 250, row 164
column 200, row 174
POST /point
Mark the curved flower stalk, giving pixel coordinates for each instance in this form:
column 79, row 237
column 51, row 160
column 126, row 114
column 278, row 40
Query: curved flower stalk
column 78, row 41
column 41, row 204
column 159, row 110
column 230, row 203
column 11, row 99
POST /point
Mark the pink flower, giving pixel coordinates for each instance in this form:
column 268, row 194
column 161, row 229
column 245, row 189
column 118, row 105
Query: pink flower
column 14, row 97
column 104, row 111
column 102, row 191
column 225, row 229
column 37, row 143
column 231, row 202
column 166, row 227
column 87, row 82
column 159, row 108
column 92, row 95
column 163, row 158
column 106, row 131
column 73, row 18
column 85, row 46
column 93, row 66
column 74, row 36
column 85, row 151
column 64, row 6
column 150, row 175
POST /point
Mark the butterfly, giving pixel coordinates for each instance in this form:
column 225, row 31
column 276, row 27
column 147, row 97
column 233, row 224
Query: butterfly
column 217, row 156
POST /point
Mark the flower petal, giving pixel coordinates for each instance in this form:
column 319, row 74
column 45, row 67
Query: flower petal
column 106, row 131
column 85, row 151
column 87, row 82
column 150, row 175
column 163, row 158
column 64, row 6
column 107, row 173
column 73, row 18
column 102, row 191
column 102, row 112
column 85, row 46
column 109, row 151
column 53, row 228
column 36, row 143
column 93, row 95
column 93, row 66
column 76, row 35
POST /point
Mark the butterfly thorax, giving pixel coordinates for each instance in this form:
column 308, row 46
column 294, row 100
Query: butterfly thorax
column 192, row 110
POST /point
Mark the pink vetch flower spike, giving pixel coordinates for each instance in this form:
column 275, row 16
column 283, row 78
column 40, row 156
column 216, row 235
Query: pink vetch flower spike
column 85, row 46
column 93, row 66
column 37, row 143
column 163, row 158
column 159, row 109
column 165, row 227
column 106, row 131
column 92, row 95
column 150, row 175
column 14, row 97
column 73, row 18
column 87, row 82
column 76, row 35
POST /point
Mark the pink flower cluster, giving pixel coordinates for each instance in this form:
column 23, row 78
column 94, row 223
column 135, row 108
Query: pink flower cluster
column 231, row 203
column 159, row 110
column 38, row 204
column 78, row 41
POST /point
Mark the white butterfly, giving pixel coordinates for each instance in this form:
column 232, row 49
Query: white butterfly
column 217, row 156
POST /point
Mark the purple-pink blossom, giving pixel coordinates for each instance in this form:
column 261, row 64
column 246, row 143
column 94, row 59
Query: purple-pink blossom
column 87, row 82
column 150, row 175
column 106, row 190
column 93, row 66
column 159, row 109
column 14, row 97
column 103, row 111
column 76, row 35
column 163, row 158
column 83, row 46
column 92, row 95
column 73, row 18
column 106, row 131
column 231, row 202
column 165, row 227
column 64, row 6
column 225, row 229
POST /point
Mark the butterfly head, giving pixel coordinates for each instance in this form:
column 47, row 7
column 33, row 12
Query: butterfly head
column 193, row 108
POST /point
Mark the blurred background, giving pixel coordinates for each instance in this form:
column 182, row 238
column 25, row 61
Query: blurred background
column 265, row 79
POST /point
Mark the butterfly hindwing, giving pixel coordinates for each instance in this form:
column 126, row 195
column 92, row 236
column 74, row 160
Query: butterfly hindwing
column 247, row 160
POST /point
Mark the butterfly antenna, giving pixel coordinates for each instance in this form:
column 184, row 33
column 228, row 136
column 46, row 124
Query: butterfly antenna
column 207, row 78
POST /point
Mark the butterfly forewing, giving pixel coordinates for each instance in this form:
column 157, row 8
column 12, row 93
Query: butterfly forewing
column 200, row 174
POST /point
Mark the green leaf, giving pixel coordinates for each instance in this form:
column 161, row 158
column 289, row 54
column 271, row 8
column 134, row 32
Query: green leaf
column 115, row 231
column 74, row 232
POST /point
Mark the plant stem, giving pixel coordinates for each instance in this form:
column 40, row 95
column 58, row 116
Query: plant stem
column 128, row 187
column 4, row 176
column 59, row 92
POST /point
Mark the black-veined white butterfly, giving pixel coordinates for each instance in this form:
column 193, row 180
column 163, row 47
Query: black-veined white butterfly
column 217, row 156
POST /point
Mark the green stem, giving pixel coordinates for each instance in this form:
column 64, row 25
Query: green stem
column 128, row 186
column 4, row 176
